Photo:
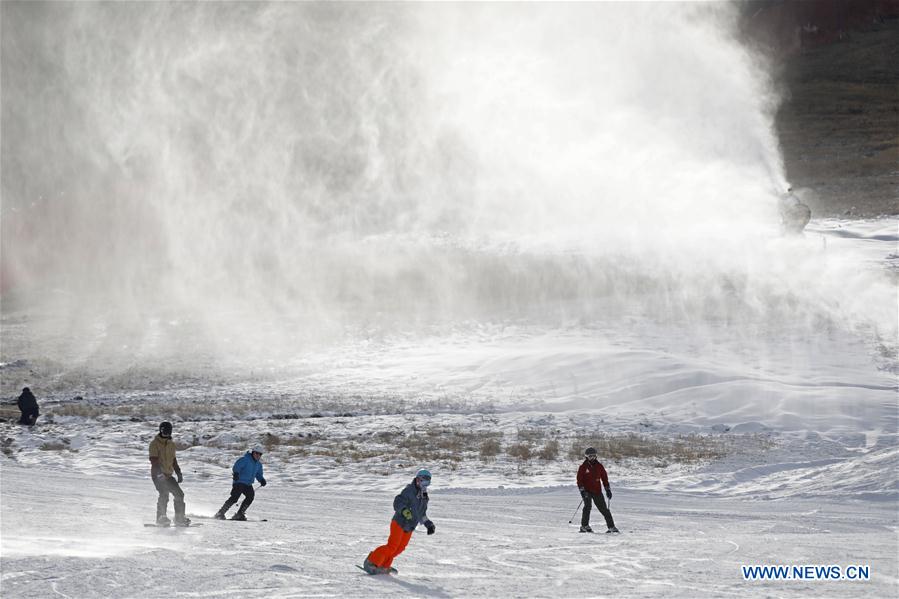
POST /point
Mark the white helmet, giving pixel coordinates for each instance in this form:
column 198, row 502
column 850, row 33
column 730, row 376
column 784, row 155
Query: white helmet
column 257, row 449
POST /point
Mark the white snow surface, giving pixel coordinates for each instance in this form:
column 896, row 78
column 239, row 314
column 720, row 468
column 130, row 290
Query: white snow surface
column 72, row 535
column 804, row 419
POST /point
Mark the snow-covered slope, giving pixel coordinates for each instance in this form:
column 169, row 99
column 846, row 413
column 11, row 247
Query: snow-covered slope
column 73, row 535
column 740, row 444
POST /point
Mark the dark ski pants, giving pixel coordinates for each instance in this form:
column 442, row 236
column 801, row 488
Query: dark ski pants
column 166, row 486
column 28, row 419
column 236, row 491
column 600, row 502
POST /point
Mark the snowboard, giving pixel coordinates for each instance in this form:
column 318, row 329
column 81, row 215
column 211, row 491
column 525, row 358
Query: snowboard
column 392, row 571
column 230, row 520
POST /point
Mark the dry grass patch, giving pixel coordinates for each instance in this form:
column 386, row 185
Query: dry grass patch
column 156, row 409
column 6, row 447
column 490, row 448
column 681, row 448
column 531, row 436
column 445, row 443
column 549, row 451
column 520, row 451
column 54, row 445
column 9, row 413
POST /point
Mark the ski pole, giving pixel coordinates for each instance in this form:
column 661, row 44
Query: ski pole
column 576, row 509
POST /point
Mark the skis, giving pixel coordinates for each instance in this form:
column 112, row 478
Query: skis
column 152, row 525
column 233, row 520
column 608, row 532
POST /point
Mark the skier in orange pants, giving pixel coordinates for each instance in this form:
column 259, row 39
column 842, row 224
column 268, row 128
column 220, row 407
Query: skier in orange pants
column 410, row 507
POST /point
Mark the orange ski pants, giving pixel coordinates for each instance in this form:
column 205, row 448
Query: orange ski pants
column 383, row 555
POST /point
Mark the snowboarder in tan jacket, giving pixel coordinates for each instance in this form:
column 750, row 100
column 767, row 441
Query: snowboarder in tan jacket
column 163, row 470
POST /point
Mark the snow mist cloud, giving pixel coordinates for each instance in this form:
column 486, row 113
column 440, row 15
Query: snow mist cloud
column 199, row 180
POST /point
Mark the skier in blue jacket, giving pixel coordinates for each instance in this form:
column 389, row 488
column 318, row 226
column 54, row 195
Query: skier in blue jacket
column 244, row 471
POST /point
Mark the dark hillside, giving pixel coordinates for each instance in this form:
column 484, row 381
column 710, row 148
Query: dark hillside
column 838, row 67
column 839, row 124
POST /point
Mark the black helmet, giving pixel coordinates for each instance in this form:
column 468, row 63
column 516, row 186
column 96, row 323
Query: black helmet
column 589, row 451
column 165, row 429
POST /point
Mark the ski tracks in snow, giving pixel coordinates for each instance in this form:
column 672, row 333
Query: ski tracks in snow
column 487, row 545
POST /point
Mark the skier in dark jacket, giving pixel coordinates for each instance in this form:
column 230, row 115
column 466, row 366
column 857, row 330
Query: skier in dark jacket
column 245, row 470
column 410, row 509
column 28, row 406
column 589, row 476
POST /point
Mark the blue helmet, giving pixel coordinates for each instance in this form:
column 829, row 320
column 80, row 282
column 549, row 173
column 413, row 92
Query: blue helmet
column 425, row 474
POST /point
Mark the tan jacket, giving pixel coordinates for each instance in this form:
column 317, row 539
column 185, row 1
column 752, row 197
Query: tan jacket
column 162, row 456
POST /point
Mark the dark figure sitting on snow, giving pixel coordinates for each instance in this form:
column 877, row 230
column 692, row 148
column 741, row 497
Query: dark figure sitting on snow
column 28, row 406
column 589, row 476
column 244, row 471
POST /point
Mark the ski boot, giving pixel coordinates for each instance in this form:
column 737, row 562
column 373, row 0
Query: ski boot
column 586, row 528
column 370, row 568
column 163, row 521
column 183, row 521
column 239, row 516
column 220, row 515
column 612, row 529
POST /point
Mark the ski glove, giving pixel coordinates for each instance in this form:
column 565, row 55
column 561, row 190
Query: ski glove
column 407, row 514
column 583, row 494
column 430, row 526
column 180, row 477
column 608, row 493
column 262, row 482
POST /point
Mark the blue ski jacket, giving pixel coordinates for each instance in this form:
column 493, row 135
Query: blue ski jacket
column 416, row 500
column 246, row 469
